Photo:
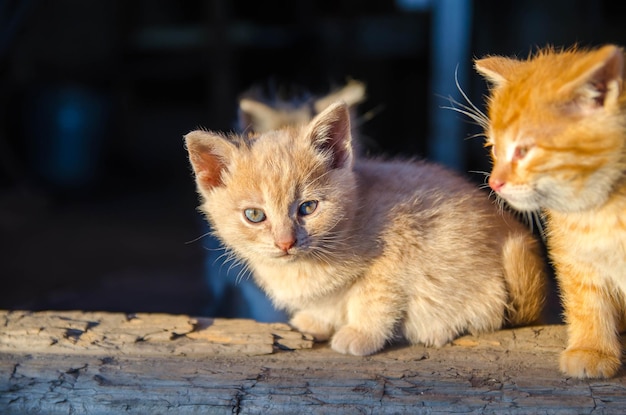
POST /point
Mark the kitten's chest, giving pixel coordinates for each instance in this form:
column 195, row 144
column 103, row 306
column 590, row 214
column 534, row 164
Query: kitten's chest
column 293, row 286
column 596, row 238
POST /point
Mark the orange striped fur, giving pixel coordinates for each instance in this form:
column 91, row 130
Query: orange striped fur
column 556, row 123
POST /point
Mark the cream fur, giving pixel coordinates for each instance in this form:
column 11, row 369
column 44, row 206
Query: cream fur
column 394, row 247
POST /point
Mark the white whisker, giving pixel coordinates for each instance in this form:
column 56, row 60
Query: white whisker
column 462, row 109
column 204, row 235
column 476, row 110
column 243, row 272
column 225, row 257
column 470, row 110
column 230, row 258
column 477, row 135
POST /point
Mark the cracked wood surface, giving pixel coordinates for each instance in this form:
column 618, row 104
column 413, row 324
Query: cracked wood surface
column 108, row 363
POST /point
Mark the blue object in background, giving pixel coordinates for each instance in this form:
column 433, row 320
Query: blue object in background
column 451, row 36
column 66, row 126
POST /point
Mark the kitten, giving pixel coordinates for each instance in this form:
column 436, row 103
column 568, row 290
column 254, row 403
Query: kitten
column 259, row 112
column 361, row 250
column 557, row 130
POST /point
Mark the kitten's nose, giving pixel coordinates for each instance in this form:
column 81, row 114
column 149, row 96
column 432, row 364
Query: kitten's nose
column 286, row 244
column 496, row 184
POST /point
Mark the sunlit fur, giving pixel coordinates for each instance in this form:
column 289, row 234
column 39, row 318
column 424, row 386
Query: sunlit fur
column 557, row 128
column 263, row 109
column 393, row 248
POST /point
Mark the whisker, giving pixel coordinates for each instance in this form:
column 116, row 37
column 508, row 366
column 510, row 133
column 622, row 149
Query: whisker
column 321, row 256
column 538, row 219
column 204, row 235
column 470, row 109
column 477, row 135
column 485, row 175
column 463, row 109
column 234, row 262
column 225, row 257
column 243, row 272
column 473, row 107
column 229, row 257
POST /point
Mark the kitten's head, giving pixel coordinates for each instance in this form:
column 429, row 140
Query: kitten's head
column 260, row 114
column 280, row 196
column 556, row 127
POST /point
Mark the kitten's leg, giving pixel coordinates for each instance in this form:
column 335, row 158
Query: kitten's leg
column 307, row 322
column 373, row 312
column 594, row 347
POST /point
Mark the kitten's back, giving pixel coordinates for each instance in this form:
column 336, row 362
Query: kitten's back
column 427, row 202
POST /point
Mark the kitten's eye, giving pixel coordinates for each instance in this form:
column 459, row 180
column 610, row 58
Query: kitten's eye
column 307, row 207
column 254, row 215
column 520, row 152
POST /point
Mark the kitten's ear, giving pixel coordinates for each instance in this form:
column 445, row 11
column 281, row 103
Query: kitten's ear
column 256, row 116
column 496, row 69
column 352, row 94
column 208, row 154
column 598, row 80
column 329, row 131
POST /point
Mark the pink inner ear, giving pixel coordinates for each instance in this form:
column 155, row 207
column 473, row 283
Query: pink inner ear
column 208, row 168
column 333, row 135
column 339, row 133
column 592, row 88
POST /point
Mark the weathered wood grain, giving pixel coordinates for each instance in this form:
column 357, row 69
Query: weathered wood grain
column 142, row 334
column 158, row 364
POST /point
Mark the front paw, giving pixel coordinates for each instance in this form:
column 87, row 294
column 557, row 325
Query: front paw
column 305, row 323
column 349, row 340
column 589, row 363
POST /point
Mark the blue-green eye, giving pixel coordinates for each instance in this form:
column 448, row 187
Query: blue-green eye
column 307, row 207
column 254, row 215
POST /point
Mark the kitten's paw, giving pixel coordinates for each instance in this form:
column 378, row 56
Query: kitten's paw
column 589, row 363
column 305, row 323
column 352, row 341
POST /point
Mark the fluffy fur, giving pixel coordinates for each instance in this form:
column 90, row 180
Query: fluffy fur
column 557, row 128
column 359, row 251
column 264, row 108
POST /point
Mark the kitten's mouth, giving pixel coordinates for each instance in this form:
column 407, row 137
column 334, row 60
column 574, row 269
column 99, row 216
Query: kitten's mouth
column 290, row 255
column 284, row 254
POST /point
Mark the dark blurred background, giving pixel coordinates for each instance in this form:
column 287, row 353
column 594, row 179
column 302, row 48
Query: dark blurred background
column 97, row 202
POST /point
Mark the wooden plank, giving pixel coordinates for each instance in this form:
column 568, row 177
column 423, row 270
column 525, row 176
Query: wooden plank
column 160, row 364
column 142, row 334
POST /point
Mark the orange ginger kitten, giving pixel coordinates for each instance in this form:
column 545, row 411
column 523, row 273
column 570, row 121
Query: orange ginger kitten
column 557, row 130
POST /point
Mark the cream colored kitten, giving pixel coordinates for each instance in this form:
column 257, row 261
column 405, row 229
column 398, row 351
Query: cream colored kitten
column 360, row 251
column 262, row 110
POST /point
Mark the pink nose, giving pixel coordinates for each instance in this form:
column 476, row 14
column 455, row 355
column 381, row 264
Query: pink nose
column 496, row 184
column 286, row 244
